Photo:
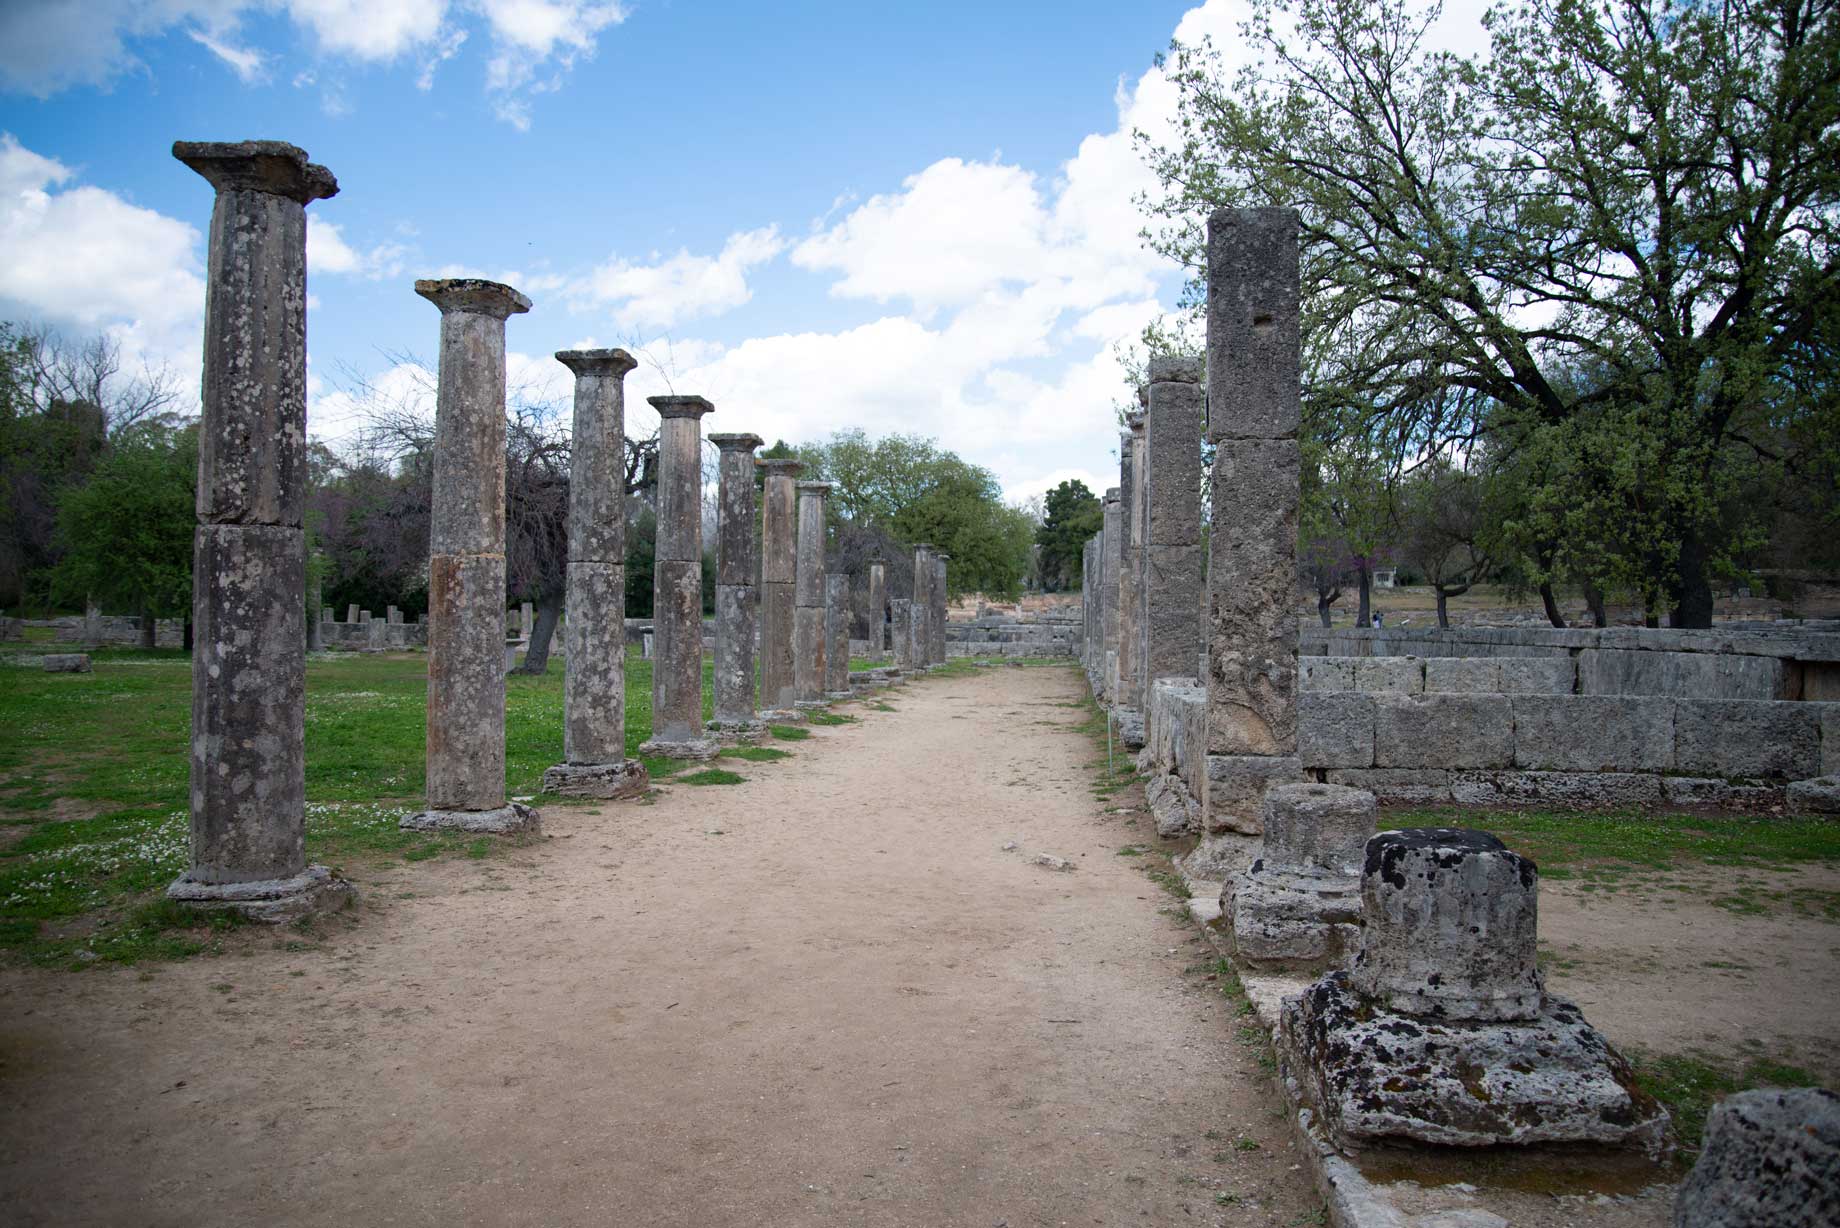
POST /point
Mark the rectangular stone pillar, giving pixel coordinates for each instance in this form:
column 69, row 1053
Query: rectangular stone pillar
column 736, row 593
column 936, row 616
column 903, row 617
column 836, row 635
column 878, row 608
column 249, row 573
column 1254, row 398
column 808, row 638
column 778, row 580
column 1173, row 565
column 594, row 761
column 1139, row 543
column 466, row 566
column 922, row 606
column 1111, row 563
column 1124, row 693
column 677, row 585
column 351, row 613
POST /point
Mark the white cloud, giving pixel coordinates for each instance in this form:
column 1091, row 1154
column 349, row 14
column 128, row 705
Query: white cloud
column 663, row 294
column 375, row 30
column 81, row 257
column 327, row 252
column 246, row 63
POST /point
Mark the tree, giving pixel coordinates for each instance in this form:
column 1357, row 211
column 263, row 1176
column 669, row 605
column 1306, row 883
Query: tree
column 126, row 533
column 1442, row 516
column 1073, row 514
column 1644, row 186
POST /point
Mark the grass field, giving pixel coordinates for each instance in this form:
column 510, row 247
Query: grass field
column 94, row 778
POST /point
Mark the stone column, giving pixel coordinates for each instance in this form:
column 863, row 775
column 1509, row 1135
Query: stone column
column 778, row 577
column 836, row 635
column 594, row 761
column 1173, row 564
column 903, row 615
column 351, row 613
column 936, row 618
column 737, row 597
column 1125, row 690
column 315, row 634
column 922, row 609
column 466, row 565
column 808, row 640
column 249, row 663
column 1111, row 564
column 878, row 608
column 677, row 585
column 1254, row 398
column 1140, row 541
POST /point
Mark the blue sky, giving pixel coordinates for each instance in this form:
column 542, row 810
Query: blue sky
column 897, row 217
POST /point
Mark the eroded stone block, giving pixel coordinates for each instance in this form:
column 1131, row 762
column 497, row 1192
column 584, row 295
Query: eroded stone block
column 1443, row 731
column 1594, row 733
column 1335, row 729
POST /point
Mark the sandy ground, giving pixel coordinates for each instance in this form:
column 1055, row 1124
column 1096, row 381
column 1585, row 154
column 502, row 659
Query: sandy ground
column 826, row 996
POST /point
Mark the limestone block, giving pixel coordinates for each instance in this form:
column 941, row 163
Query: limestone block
column 1830, row 738
column 1692, row 675
column 1780, row 739
column 67, row 663
column 1413, row 786
column 808, row 652
column 734, row 663
column 1569, row 789
column 1707, row 791
column 1173, row 580
column 468, row 514
column 612, row 781
column 1535, row 675
column 1252, row 325
column 1325, row 673
column 1444, row 731
column 1462, row 675
column 1335, row 729
column 737, row 551
column 1318, row 827
column 1594, row 733
column 1550, row 1078
column 777, row 681
column 680, row 477
column 677, row 649
column 1236, row 787
column 1174, row 810
column 248, row 780
column 1771, row 1159
column 1272, row 926
column 1390, row 675
column 1818, row 796
column 466, row 682
column 594, row 645
column 1451, row 926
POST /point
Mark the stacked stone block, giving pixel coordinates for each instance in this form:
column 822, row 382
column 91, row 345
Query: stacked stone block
column 836, row 635
column 1173, row 566
column 878, row 609
column 737, row 597
column 778, row 585
column 1299, row 904
column 808, row 634
column 677, row 584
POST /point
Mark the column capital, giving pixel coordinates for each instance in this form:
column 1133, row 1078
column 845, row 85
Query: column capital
column 741, row 442
column 613, row 363
column 274, row 167
column 474, row 295
column 1111, row 495
column 1137, row 422
column 1173, row 369
column 679, row 406
column 818, row 488
column 780, row 466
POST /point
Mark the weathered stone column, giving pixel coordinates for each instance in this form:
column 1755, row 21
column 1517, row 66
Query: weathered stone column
column 836, row 635
column 878, row 608
column 1111, row 565
column 1173, row 563
column 737, row 597
column 922, row 606
column 808, row 640
column 351, row 614
column 1140, row 541
column 249, row 663
column 1298, row 906
column 594, row 762
column 1254, row 398
column 1125, row 693
column 677, row 585
column 936, row 619
column 902, row 609
column 778, row 580
column 466, row 565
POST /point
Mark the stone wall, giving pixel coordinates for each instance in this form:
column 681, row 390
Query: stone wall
column 1053, row 633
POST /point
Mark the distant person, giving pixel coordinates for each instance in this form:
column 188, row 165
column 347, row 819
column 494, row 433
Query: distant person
column 1378, row 621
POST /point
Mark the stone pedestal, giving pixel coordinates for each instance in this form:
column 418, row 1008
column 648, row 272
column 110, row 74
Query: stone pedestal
column 737, row 597
column 1771, row 1159
column 778, row 580
column 677, row 585
column 808, row 635
column 836, row 635
column 594, row 760
column 1255, row 397
column 248, row 768
column 1441, row 1032
column 466, row 567
column 1298, row 907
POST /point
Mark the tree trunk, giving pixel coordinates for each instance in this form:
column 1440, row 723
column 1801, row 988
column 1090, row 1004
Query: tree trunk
column 1594, row 598
column 1323, row 602
column 147, row 629
column 1551, row 603
column 1694, row 605
column 1364, row 617
column 536, row 653
column 1443, row 607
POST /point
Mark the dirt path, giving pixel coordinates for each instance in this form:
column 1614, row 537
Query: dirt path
column 826, row 996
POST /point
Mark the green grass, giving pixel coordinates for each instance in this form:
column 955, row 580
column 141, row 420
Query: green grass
column 830, row 718
column 755, row 754
column 1690, row 1084
column 94, row 788
column 789, row 733
column 712, row 776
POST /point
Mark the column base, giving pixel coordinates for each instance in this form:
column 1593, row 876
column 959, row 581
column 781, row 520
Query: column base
column 509, row 819
column 834, row 696
column 608, row 781
column 811, row 705
column 681, row 748
column 272, row 900
column 782, row 716
column 737, row 731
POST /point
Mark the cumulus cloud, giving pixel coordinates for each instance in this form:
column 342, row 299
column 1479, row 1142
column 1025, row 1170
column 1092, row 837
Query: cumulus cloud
column 666, row 292
column 81, row 257
column 327, row 252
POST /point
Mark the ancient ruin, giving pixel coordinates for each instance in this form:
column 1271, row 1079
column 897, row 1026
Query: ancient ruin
column 836, row 635
column 594, row 761
column 1771, row 1159
column 778, row 584
column 466, row 567
column 737, row 595
column 808, row 635
column 677, row 585
column 248, row 774
column 878, row 608
column 1298, row 906
column 936, row 611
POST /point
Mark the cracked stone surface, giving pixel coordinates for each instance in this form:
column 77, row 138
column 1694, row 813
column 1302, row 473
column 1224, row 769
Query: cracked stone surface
column 1771, row 1159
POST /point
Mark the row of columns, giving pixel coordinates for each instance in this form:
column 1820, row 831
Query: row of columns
column 250, row 572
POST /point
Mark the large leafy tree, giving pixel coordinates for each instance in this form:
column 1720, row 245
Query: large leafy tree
column 1073, row 514
column 1647, row 188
